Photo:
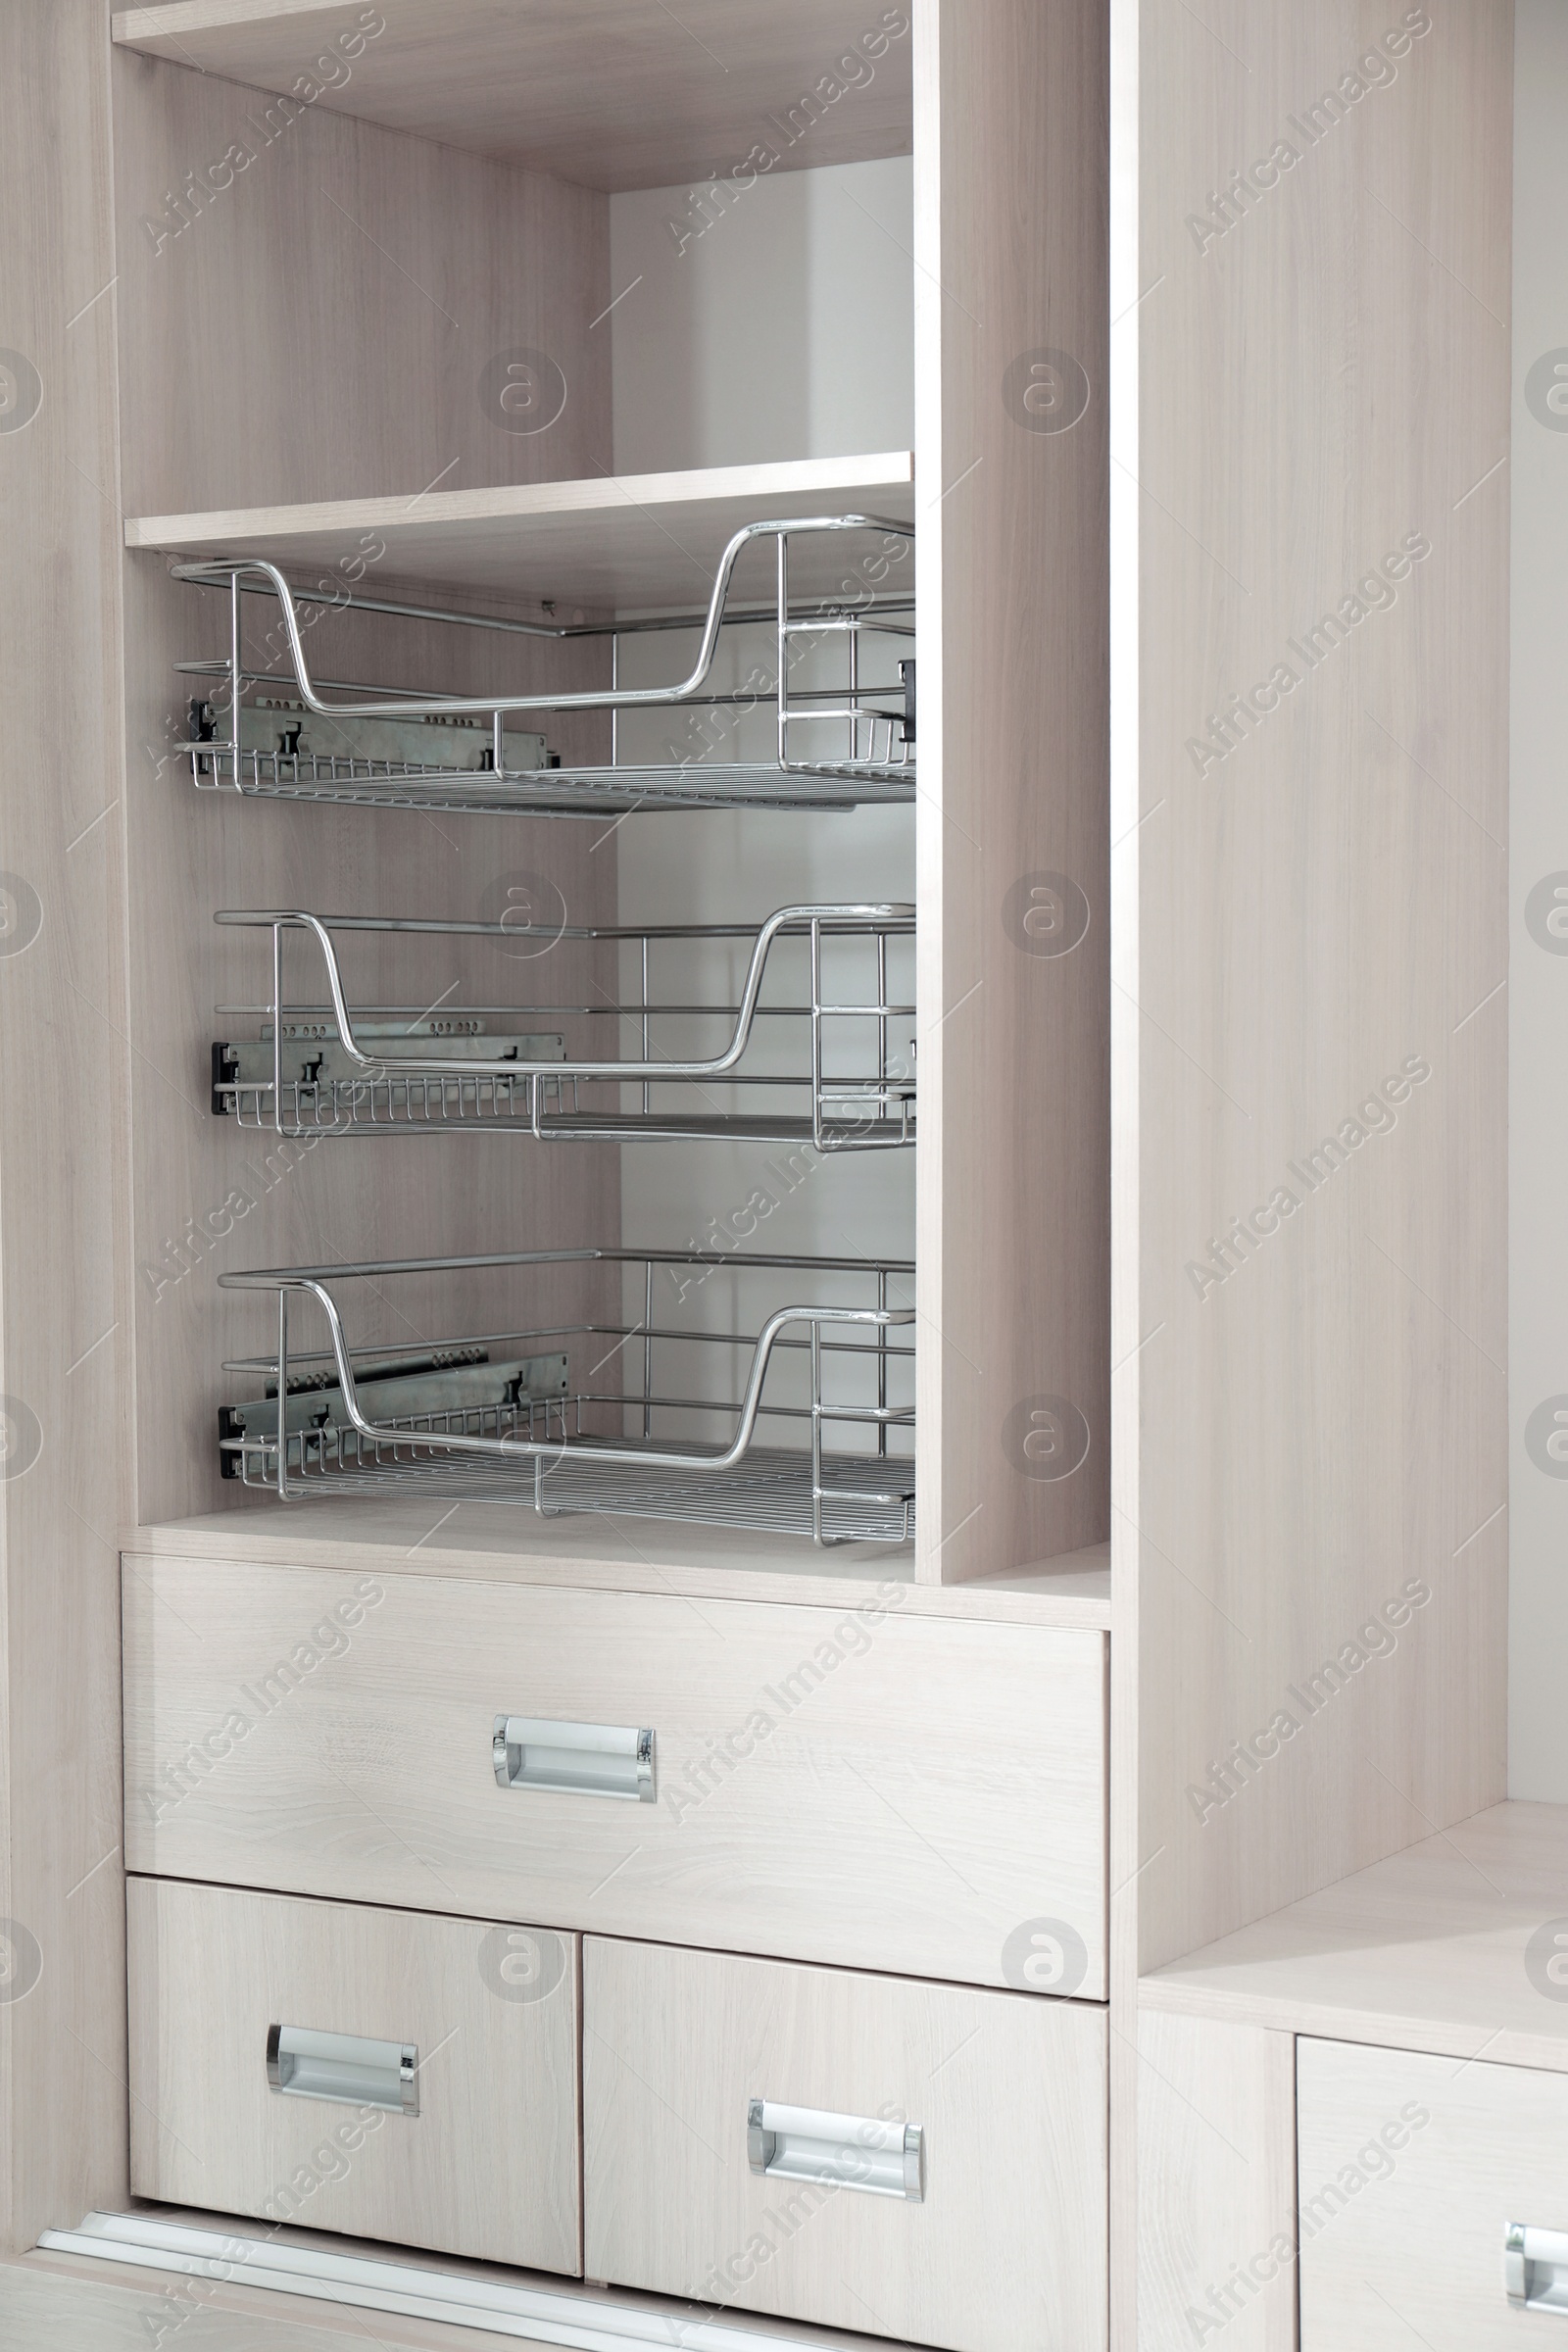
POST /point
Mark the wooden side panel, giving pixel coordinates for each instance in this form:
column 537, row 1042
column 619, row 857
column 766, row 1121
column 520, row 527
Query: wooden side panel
column 64, row 1337
column 489, row 2164
column 1005, row 2252
column 1127, row 1856
column 1013, row 1243
column 1216, row 2156
column 1322, row 932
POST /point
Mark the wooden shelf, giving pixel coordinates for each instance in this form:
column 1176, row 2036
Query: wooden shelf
column 608, row 93
column 629, row 540
column 490, row 1540
column 1424, row 1952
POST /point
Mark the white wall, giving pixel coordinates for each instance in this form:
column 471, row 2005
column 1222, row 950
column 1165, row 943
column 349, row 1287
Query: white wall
column 1539, row 972
column 783, row 330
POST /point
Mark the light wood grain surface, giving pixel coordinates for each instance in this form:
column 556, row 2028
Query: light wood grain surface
column 1439, row 1947
column 1127, row 1330
column 1321, row 935
column 1004, row 2254
column 488, row 1540
column 1411, row 2170
column 316, row 322
column 1304, row 377
column 610, row 93
column 488, row 2167
column 1216, row 2152
column 849, row 1786
column 64, row 1367
column 637, row 539
column 1014, row 1202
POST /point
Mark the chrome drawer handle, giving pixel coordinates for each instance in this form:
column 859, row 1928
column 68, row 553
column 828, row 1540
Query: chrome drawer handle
column 846, row 2151
column 574, row 1759
column 344, row 2068
column 1534, row 2268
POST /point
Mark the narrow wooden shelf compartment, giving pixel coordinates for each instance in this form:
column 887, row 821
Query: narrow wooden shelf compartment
column 1443, row 1947
column 628, row 540
column 608, row 93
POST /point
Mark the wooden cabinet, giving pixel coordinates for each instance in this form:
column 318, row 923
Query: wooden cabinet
column 902, row 2159
column 1167, row 358
column 326, row 2066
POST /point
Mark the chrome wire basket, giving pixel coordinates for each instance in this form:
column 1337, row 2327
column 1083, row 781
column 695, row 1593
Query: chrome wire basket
column 817, row 1048
column 520, row 1416
column 292, row 737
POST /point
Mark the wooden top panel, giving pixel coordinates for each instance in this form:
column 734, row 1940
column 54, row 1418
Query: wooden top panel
column 608, row 93
column 485, row 1540
column 1444, row 1948
column 630, row 540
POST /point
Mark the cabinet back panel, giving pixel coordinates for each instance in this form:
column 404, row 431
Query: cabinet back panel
column 316, row 322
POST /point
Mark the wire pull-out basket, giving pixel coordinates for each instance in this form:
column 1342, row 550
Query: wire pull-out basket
column 284, row 734
column 657, row 1411
column 815, row 1044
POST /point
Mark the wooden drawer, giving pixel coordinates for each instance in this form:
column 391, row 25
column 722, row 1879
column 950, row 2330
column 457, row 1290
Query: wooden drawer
column 488, row 2165
column 1004, row 2251
column 871, row 1788
column 1411, row 2171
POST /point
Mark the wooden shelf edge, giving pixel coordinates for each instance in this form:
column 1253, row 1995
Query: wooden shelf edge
column 601, row 497
column 129, row 26
column 1175, row 1996
column 501, row 1541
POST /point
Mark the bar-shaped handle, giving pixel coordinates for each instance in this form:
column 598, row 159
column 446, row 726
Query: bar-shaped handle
column 347, row 2069
column 846, row 2151
column 574, row 1759
column 1534, row 2268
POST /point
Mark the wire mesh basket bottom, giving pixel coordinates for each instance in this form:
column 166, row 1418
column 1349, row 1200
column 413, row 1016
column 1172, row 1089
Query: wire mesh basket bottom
column 862, row 1499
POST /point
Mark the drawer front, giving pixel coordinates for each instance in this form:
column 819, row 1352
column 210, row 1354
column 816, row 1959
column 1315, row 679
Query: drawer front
column 1411, row 2170
column 747, row 2142
column 865, row 1787
column 371, row 2072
